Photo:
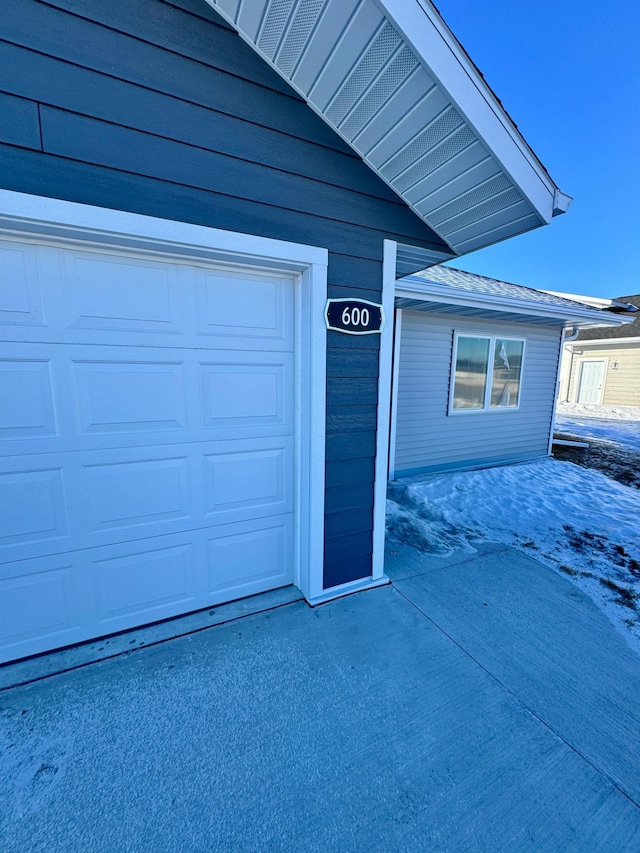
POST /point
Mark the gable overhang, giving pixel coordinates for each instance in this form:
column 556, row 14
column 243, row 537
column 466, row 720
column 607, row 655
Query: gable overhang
column 391, row 79
column 434, row 298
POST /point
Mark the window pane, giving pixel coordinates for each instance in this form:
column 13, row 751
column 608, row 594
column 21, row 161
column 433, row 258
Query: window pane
column 507, row 368
column 470, row 382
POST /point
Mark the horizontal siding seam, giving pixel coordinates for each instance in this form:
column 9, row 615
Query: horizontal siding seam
column 211, row 192
column 199, row 104
column 177, row 141
column 292, row 95
column 301, row 210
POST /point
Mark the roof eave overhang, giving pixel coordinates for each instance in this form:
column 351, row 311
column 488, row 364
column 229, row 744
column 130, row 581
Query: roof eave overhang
column 603, row 342
column 426, row 31
column 390, row 78
column 580, row 318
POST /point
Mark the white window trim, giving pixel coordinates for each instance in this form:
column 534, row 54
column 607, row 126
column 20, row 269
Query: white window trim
column 23, row 215
column 487, row 394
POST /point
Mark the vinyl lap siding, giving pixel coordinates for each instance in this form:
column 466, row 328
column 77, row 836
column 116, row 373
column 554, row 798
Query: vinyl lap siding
column 622, row 384
column 158, row 107
column 428, row 438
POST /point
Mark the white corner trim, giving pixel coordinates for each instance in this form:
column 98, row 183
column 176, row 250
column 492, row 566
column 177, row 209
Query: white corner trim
column 24, row 215
column 556, row 395
column 393, row 431
column 311, row 371
column 384, row 410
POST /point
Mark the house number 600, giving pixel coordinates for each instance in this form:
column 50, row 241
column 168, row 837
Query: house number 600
column 355, row 317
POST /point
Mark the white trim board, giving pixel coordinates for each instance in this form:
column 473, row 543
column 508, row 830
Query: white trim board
column 601, row 342
column 384, row 409
column 552, row 425
column 26, row 215
column 393, row 429
column 48, row 217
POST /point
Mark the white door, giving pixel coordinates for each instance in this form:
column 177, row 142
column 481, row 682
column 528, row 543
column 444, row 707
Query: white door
column 591, row 381
column 147, row 435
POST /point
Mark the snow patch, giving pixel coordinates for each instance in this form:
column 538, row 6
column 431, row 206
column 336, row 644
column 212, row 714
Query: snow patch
column 610, row 413
column 575, row 519
column 618, row 425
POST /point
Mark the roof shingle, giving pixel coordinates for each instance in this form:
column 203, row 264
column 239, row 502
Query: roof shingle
column 630, row 330
column 475, row 283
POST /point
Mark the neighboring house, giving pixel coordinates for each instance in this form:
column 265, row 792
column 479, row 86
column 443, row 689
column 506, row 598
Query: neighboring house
column 476, row 370
column 183, row 185
column 602, row 366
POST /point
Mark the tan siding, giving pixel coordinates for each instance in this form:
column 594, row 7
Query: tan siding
column 621, row 384
column 427, row 437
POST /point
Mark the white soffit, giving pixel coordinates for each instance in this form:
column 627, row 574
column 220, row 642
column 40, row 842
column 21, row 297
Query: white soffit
column 389, row 77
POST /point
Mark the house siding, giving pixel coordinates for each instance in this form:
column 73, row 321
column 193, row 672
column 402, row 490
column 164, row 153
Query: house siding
column 159, row 108
column 430, row 439
column 621, row 384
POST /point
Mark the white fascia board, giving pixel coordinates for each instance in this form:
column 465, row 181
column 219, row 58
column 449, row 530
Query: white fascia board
column 423, row 28
column 602, row 342
column 595, row 301
column 581, row 317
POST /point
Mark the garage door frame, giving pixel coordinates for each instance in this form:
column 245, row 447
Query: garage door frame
column 62, row 221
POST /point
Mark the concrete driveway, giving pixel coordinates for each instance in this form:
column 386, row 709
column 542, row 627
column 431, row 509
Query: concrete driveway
column 478, row 704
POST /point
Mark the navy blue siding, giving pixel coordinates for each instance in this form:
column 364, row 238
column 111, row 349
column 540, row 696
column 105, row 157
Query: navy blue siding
column 19, row 122
column 352, row 392
column 349, row 471
column 345, row 498
column 158, row 107
column 342, row 571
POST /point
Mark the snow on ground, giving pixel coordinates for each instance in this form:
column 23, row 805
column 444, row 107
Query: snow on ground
column 618, row 424
column 610, row 413
column 572, row 518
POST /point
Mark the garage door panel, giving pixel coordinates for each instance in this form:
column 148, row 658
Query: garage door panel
column 244, row 559
column 136, row 493
column 147, row 440
column 21, row 292
column 54, row 400
column 87, row 297
column 130, row 396
column 39, row 606
column 118, row 294
column 252, row 483
column 141, row 583
column 256, row 309
column 54, row 502
column 252, row 395
column 26, row 395
column 33, row 506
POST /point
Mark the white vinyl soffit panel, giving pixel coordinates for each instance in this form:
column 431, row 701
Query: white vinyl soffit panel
column 394, row 83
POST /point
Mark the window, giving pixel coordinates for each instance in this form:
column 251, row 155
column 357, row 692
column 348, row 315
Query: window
column 487, row 373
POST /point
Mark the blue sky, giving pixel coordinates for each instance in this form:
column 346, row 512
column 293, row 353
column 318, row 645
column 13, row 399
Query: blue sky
column 568, row 74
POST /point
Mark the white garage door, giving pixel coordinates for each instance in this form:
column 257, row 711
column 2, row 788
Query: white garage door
column 147, row 430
